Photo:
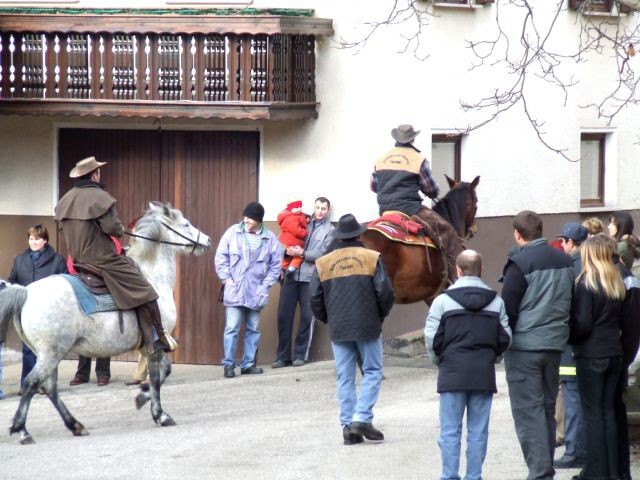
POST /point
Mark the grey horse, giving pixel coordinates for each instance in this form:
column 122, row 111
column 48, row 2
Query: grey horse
column 49, row 320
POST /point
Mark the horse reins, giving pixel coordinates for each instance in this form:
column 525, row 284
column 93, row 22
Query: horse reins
column 191, row 243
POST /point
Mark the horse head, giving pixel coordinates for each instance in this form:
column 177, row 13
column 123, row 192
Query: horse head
column 459, row 206
column 166, row 225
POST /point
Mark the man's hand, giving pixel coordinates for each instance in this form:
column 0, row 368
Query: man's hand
column 295, row 251
column 228, row 281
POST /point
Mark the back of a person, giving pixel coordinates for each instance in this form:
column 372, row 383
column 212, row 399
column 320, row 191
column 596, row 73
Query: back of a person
column 397, row 174
column 546, row 305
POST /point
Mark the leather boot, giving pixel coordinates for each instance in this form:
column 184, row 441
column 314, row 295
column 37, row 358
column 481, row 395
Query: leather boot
column 150, row 313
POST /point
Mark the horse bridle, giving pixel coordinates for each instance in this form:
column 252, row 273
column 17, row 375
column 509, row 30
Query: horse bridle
column 191, row 243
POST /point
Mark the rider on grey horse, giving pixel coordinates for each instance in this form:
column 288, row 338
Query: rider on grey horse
column 88, row 217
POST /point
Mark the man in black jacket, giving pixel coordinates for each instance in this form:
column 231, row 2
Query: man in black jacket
column 351, row 291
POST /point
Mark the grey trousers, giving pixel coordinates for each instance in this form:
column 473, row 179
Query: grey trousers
column 533, row 379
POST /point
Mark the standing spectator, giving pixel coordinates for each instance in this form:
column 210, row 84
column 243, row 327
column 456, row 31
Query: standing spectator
column 466, row 332
column 295, row 291
column 572, row 236
column 103, row 365
column 248, row 261
column 538, row 283
column 350, row 290
column 620, row 224
column 593, row 225
column 293, row 231
column 630, row 337
column 595, row 334
column 37, row 262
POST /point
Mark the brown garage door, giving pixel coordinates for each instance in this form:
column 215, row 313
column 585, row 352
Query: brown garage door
column 210, row 176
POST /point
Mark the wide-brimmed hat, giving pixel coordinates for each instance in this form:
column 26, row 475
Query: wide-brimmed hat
column 85, row 166
column 348, row 227
column 404, row 133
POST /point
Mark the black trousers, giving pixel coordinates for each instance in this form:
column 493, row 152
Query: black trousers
column 622, row 425
column 103, row 367
column 597, row 382
column 292, row 294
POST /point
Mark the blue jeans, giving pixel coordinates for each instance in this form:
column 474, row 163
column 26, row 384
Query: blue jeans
column 452, row 407
column 28, row 362
column 235, row 315
column 353, row 407
column 574, row 439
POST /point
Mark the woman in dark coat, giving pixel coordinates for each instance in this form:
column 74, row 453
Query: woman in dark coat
column 37, row 262
column 596, row 316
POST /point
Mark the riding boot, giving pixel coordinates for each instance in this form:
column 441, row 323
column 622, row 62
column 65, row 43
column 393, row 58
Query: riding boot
column 150, row 313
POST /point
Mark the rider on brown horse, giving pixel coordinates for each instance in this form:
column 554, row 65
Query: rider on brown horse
column 88, row 218
column 398, row 177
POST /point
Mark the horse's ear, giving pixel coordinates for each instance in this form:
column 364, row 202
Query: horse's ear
column 450, row 181
column 475, row 182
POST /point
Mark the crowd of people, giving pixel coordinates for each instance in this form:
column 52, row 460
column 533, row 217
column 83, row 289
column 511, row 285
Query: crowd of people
column 567, row 322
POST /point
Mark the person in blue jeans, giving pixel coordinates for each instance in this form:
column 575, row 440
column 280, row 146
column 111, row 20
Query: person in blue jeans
column 2, row 339
column 466, row 331
column 350, row 290
column 247, row 261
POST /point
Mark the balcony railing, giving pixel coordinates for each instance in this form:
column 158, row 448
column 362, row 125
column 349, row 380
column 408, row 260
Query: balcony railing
column 194, row 67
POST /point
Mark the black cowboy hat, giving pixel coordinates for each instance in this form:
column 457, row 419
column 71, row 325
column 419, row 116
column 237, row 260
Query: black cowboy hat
column 348, row 227
column 404, row 133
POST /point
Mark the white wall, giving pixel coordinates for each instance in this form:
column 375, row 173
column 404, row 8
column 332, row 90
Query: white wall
column 363, row 96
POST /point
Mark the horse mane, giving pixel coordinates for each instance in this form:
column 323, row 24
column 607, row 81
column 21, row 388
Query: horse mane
column 452, row 207
column 148, row 226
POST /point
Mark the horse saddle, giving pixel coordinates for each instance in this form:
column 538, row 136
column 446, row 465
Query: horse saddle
column 399, row 227
column 91, row 277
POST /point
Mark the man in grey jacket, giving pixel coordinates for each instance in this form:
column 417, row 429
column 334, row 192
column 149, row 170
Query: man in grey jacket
column 295, row 291
column 538, row 285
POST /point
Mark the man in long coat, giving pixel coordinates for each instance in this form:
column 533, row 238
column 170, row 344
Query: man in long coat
column 88, row 217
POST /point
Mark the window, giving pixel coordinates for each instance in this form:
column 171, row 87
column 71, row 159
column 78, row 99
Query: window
column 462, row 2
column 592, row 161
column 598, row 6
column 445, row 159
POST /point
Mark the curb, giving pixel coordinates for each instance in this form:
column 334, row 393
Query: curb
column 408, row 345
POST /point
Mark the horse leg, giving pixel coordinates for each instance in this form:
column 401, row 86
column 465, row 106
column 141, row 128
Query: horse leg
column 155, row 364
column 144, row 395
column 50, row 387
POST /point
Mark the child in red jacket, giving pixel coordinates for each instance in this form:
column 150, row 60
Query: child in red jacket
column 293, row 230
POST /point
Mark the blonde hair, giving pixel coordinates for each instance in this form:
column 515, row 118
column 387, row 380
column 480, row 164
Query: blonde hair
column 593, row 225
column 598, row 271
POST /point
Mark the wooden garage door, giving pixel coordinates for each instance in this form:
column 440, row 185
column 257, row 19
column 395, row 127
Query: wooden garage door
column 210, row 176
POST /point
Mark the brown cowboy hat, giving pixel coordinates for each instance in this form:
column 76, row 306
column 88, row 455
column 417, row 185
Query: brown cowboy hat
column 404, row 133
column 348, row 227
column 85, row 166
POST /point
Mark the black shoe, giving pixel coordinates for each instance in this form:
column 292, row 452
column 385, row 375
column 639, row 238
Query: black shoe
column 351, row 438
column 229, row 371
column 367, row 430
column 251, row 371
column 567, row 461
column 280, row 364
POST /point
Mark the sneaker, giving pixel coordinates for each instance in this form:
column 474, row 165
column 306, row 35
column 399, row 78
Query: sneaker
column 567, row 461
column 251, row 371
column 229, row 371
column 298, row 362
column 367, row 430
column 280, row 364
column 351, row 438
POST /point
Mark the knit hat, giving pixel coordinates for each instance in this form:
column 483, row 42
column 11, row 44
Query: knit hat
column 296, row 204
column 254, row 211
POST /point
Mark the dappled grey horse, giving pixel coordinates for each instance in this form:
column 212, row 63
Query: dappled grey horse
column 49, row 320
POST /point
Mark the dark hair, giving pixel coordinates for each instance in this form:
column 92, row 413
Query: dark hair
column 323, row 200
column 528, row 224
column 470, row 262
column 624, row 224
column 38, row 231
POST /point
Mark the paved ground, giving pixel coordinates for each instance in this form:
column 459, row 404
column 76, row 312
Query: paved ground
column 280, row 425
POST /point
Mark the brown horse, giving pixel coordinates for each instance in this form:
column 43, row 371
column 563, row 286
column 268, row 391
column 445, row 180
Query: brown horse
column 418, row 273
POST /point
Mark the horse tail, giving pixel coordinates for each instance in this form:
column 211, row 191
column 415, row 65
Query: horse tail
column 12, row 299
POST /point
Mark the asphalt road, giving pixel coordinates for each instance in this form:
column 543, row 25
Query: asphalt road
column 279, row 425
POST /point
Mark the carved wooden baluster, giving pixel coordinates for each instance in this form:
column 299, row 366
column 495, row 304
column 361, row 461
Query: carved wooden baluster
column 258, row 68
column 147, row 69
column 192, row 71
column 12, row 65
column 1, row 68
column 56, row 69
column 310, row 63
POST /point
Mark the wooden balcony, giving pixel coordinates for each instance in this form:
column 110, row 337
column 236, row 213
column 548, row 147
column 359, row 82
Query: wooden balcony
column 168, row 65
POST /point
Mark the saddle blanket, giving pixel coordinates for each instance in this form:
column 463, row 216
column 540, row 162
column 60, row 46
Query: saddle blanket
column 90, row 303
column 398, row 227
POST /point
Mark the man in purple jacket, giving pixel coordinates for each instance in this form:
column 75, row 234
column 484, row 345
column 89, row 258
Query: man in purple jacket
column 248, row 261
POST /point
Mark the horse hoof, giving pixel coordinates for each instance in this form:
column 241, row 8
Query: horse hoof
column 26, row 439
column 79, row 430
column 141, row 399
column 167, row 421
